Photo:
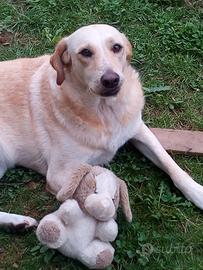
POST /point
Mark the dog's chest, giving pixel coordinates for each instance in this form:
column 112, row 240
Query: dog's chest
column 112, row 141
column 121, row 134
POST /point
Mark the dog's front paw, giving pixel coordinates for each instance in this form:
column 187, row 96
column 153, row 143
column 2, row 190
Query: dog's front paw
column 75, row 177
column 191, row 189
column 21, row 224
column 196, row 195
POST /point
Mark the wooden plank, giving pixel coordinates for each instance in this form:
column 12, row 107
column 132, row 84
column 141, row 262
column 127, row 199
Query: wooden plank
column 180, row 141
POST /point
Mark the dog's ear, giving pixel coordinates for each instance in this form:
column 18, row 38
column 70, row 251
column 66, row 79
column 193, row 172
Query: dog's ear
column 128, row 47
column 124, row 200
column 60, row 58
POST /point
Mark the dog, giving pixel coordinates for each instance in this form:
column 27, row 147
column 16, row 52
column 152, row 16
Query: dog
column 79, row 105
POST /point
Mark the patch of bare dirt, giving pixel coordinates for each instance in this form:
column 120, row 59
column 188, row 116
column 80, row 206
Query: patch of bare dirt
column 6, row 38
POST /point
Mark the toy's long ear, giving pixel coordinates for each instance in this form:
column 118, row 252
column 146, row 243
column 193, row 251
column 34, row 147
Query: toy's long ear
column 96, row 170
column 124, row 200
column 59, row 59
column 75, row 180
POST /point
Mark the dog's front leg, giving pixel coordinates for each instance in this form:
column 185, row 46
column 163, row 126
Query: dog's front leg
column 62, row 181
column 16, row 223
column 147, row 143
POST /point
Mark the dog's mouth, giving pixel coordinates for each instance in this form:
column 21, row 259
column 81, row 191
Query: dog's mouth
column 109, row 92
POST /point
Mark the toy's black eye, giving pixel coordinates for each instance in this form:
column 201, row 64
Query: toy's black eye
column 86, row 53
column 116, row 48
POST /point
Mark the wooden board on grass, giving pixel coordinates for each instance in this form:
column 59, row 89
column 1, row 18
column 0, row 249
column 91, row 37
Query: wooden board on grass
column 180, row 141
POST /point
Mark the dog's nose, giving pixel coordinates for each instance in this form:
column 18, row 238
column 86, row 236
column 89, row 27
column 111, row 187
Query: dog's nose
column 110, row 79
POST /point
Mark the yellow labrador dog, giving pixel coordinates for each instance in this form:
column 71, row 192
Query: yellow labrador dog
column 76, row 106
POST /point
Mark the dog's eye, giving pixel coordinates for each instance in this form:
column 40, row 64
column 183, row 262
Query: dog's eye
column 116, row 48
column 86, row 53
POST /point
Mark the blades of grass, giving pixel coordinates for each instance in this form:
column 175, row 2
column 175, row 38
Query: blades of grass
column 156, row 89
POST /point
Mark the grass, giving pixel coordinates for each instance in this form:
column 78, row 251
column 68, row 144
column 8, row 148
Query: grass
column 167, row 230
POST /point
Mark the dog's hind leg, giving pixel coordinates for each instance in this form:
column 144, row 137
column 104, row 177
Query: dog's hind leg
column 5, row 159
column 3, row 166
column 16, row 223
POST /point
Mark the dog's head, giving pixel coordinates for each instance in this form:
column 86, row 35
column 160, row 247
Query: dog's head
column 96, row 56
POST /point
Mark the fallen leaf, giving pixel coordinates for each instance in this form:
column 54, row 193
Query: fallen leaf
column 31, row 185
column 15, row 265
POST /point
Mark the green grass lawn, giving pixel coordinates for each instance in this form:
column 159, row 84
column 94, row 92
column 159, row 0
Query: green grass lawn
column 167, row 230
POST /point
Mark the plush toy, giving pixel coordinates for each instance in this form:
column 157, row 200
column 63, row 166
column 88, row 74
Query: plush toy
column 84, row 225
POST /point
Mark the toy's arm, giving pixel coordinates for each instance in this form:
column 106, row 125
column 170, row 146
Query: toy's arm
column 53, row 228
column 107, row 231
column 69, row 212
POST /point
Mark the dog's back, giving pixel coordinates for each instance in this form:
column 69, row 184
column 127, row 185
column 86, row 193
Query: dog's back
column 16, row 125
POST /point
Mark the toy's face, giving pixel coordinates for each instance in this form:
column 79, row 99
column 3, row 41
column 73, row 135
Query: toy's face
column 101, row 204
